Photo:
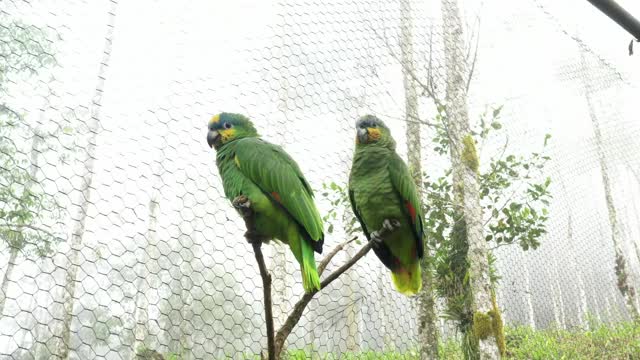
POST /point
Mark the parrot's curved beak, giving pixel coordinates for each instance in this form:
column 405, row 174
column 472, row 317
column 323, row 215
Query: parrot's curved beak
column 212, row 136
column 363, row 135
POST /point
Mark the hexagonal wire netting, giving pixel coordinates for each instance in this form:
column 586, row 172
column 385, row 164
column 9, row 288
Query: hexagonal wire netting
column 117, row 237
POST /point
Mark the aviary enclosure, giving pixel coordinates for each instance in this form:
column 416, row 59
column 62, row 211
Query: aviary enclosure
column 518, row 122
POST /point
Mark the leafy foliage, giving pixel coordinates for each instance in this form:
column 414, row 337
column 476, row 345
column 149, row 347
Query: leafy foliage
column 618, row 341
column 513, row 199
column 338, row 197
column 24, row 50
column 24, row 205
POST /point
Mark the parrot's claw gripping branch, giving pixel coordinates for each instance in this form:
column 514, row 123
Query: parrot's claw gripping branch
column 391, row 225
column 243, row 205
column 387, row 226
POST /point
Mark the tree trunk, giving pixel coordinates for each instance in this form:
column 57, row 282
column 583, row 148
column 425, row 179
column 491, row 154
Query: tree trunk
column 636, row 240
column 186, row 316
column 427, row 327
column 624, row 284
column 582, row 293
column 414, row 146
column 607, row 308
column 7, row 277
column 352, row 309
column 464, row 161
column 81, row 215
column 142, row 304
column 528, row 295
column 574, row 262
column 280, row 286
column 558, row 294
column 383, row 304
column 13, row 256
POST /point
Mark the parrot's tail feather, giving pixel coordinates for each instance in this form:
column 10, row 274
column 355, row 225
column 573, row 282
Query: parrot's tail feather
column 310, row 277
column 408, row 280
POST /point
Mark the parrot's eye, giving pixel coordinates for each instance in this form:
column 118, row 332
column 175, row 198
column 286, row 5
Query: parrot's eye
column 227, row 126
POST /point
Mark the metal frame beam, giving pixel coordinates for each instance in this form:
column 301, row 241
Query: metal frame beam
column 618, row 14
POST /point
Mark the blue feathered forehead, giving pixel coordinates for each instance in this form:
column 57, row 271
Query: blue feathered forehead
column 368, row 121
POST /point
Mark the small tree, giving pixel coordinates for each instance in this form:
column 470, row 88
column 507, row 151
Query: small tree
column 513, row 199
column 24, row 206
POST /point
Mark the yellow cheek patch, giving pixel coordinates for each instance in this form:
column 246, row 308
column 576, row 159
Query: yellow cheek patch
column 374, row 134
column 237, row 161
column 227, row 134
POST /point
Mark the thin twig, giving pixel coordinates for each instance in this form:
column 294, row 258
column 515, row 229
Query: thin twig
column 473, row 63
column 323, row 264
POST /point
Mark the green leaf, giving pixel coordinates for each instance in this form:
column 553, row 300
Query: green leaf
column 496, row 112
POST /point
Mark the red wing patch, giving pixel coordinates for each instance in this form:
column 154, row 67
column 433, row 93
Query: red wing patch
column 412, row 212
column 276, row 196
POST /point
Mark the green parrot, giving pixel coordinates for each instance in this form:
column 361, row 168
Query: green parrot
column 382, row 192
column 280, row 196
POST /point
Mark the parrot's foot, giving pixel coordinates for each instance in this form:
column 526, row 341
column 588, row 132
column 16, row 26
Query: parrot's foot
column 390, row 225
column 254, row 238
column 375, row 239
column 243, row 205
column 387, row 227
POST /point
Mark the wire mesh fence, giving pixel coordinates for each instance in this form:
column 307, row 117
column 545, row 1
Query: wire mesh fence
column 117, row 238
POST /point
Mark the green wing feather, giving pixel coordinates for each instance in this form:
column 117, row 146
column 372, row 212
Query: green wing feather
column 274, row 171
column 356, row 212
column 406, row 189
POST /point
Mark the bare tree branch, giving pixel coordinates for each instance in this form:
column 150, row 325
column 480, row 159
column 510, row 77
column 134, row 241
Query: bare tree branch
column 473, row 63
column 430, row 65
column 298, row 308
column 268, row 306
column 414, row 119
column 243, row 205
column 274, row 345
column 426, row 89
